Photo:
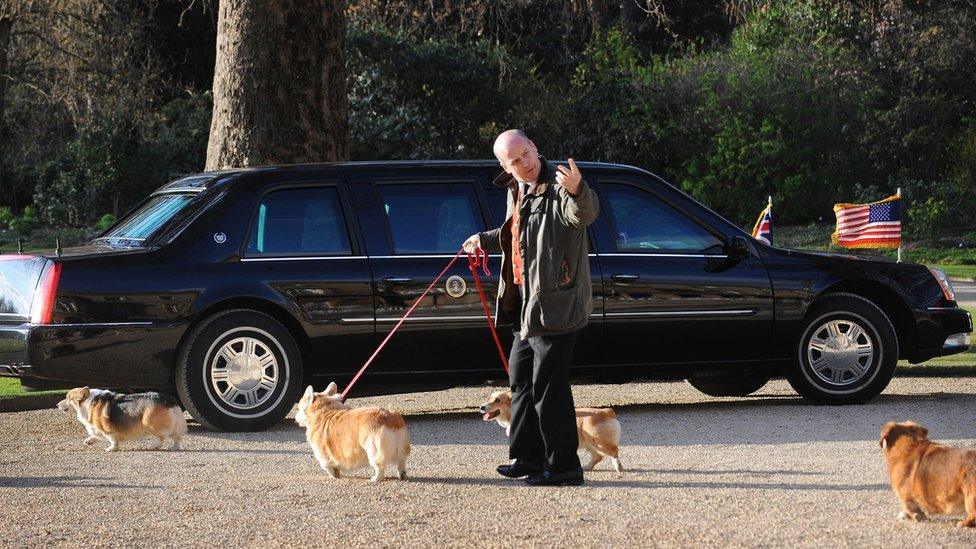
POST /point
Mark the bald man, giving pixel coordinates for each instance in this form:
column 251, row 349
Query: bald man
column 544, row 291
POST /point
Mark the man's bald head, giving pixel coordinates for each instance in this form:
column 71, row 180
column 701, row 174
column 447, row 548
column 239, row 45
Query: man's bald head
column 517, row 154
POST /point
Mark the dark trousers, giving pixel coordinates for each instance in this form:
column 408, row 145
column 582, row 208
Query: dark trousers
column 543, row 414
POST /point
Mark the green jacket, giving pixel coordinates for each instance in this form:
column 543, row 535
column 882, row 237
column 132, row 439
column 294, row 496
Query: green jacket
column 556, row 292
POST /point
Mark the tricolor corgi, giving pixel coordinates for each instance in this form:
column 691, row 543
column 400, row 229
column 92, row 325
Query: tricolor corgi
column 116, row 417
column 344, row 439
column 597, row 428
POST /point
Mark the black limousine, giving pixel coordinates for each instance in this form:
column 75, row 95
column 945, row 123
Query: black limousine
column 237, row 288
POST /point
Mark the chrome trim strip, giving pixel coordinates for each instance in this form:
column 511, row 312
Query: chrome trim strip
column 180, row 190
column 660, row 255
column 431, row 318
column 733, row 312
column 13, row 315
column 422, row 256
column 944, row 309
column 95, row 325
column 304, row 258
column 434, row 318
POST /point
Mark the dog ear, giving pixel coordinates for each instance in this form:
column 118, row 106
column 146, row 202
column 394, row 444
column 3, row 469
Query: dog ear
column 886, row 435
column 307, row 397
column 331, row 389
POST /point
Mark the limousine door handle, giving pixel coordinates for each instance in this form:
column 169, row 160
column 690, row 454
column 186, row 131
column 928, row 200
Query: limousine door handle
column 624, row 278
column 398, row 279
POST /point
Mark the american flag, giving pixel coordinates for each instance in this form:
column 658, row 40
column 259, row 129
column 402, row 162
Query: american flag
column 875, row 225
column 763, row 229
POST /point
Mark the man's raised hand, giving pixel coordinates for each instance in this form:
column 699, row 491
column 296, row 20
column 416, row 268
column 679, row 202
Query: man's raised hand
column 569, row 177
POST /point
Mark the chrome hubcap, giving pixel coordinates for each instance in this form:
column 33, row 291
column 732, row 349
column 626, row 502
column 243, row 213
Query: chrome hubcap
column 244, row 373
column 840, row 352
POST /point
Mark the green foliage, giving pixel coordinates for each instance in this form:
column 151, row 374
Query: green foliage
column 810, row 101
column 429, row 98
column 6, row 216
column 105, row 222
column 108, row 167
column 28, row 221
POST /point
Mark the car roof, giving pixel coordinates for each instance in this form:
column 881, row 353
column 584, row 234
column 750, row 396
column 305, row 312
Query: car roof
column 204, row 180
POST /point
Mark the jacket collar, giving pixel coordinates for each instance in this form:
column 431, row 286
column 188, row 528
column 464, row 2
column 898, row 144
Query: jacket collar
column 506, row 179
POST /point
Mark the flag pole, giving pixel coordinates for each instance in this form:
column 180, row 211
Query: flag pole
column 898, row 194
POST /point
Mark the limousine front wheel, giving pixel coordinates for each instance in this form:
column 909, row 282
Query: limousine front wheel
column 239, row 370
column 847, row 351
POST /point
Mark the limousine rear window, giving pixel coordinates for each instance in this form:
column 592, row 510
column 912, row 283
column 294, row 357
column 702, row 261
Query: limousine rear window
column 146, row 220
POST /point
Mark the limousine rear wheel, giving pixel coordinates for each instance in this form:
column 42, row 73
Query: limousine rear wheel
column 239, row 370
column 846, row 353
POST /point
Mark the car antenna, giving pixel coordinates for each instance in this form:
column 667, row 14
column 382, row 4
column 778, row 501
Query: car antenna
column 57, row 244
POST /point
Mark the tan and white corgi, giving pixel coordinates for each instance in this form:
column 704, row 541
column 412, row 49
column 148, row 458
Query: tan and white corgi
column 346, row 439
column 597, row 428
column 115, row 417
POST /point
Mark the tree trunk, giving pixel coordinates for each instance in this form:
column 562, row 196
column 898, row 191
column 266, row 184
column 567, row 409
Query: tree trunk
column 279, row 84
column 5, row 25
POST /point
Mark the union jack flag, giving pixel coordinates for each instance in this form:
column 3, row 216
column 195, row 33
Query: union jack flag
column 763, row 229
column 874, row 225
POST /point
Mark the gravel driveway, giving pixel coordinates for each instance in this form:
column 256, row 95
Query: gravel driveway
column 767, row 470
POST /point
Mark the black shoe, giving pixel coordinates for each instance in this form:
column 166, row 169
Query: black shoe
column 573, row 477
column 518, row 469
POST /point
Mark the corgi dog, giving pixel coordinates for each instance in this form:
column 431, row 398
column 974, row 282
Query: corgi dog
column 115, row 417
column 345, row 439
column 928, row 477
column 597, row 428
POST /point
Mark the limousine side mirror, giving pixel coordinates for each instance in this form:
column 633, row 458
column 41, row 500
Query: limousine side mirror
column 737, row 248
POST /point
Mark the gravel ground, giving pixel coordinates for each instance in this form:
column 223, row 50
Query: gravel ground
column 758, row 471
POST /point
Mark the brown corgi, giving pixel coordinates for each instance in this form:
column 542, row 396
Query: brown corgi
column 928, row 477
column 597, row 428
column 344, row 439
column 116, row 417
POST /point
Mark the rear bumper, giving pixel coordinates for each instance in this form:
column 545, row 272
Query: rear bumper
column 943, row 331
column 136, row 355
column 14, row 357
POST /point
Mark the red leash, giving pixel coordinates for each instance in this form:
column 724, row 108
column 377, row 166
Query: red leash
column 478, row 259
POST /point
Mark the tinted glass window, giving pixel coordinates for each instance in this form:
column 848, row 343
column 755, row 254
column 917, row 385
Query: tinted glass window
column 497, row 204
column 300, row 221
column 644, row 223
column 142, row 223
column 431, row 218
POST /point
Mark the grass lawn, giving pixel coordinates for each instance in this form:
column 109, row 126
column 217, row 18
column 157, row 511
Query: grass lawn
column 959, row 271
column 10, row 388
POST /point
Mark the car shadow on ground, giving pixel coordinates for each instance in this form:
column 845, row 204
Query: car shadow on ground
column 67, row 482
column 767, row 419
column 594, row 480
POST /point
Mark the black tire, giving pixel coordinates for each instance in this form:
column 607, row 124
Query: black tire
column 266, row 385
column 845, row 386
column 730, row 386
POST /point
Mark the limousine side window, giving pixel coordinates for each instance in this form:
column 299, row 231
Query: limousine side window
column 644, row 223
column 430, row 218
column 300, row 221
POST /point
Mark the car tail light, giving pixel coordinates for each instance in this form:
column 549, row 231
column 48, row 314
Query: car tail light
column 42, row 307
column 943, row 281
